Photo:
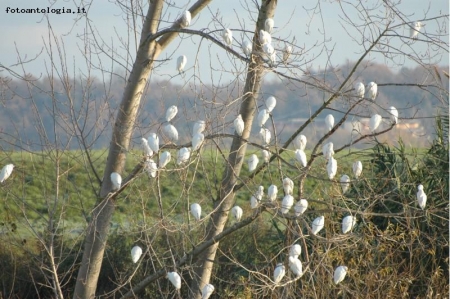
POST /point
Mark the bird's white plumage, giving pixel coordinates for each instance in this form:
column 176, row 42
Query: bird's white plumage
column 357, row 168
column 6, row 172
column 300, row 142
column 360, row 90
column 372, row 90
column 257, row 197
column 345, row 183
column 393, row 114
column 136, row 253
column 288, row 186
column 415, row 28
column 247, row 47
column 272, row 192
column 374, row 122
column 263, row 116
column 264, row 37
column 252, row 162
column 327, row 150
column 265, row 135
column 265, row 155
column 331, row 168
column 196, row 211
column 279, row 273
column 287, row 203
column 153, row 142
column 151, row 168
column 317, row 225
column 181, row 63
column 296, row 266
column 268, row 49
column 237, row 212
column 171, row 112
column 171, row 132
column 227, row 36
column 268, row 25
column 175, row 279
column 270, row 102
column 339, row 274
column 116, row 180
column 164, row 159
column 329, row 122
column 295, row 250
column 183, row 155
column 207, row 290
column 300, row 207
column 239, row 125
column 197, row 141
column 254, row 202
column 287, row 52
column 301, row 157
column 199, row 127
column 186, row 19
column 348, row 222
column 146, row 148
column 421, row 197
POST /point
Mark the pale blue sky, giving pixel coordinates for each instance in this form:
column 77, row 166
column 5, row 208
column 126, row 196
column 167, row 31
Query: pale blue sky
column 24, row 34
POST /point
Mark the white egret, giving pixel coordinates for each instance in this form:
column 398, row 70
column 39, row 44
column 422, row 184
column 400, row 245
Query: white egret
column 196, row 211
column 183, row 155
column 339, row 274
column 263, row 116
column 181, row 63
column 272, row 192
column 265, row 155
column 372, row 90
column 239, row 125
column 288, row 186
column 270, row 102
column 279, row 273
column 295, row 250
column 360, row 90
column 227, row 36
column 199, row 127
column 421, row 197
column 329, row 122
column 197, row 141
column 357, row 169
column 327, row 150
column 164, row 159
column 273, row 57
column 374, row 122
column 393, row 114
column 136, row 253
column 265, row 135
column 415, row 28
column 331, row 168
column 247, row 47
column 175, row 279
column 345, row 183
column 151, row 168
column 296, row 266
column 268, row 25
column 287, row 203
column 237, row 212
column 171, row 132
column 317, row 225
column 186, row 19
column 300, row 142
column 153, row 142
column 257, row 197
column 300, row 207
column 287, row 52
column 264, row 37
column 6, row 172
column 252, row 162
column 146, row 148
column 171, row 112
column 254, row 202
column 207, row 290
column 268, row 49
column 116, row 180
column 348, row 222
column 301, row 157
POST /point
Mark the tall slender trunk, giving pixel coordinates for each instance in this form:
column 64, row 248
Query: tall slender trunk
column 225, row 201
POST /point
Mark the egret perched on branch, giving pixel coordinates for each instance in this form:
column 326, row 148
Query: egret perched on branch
column 197, row 141
column 345, row 183
column 372, row 90
column 300, row 207
column 265, row 135
column 264, row 37
column 296, row 266
column 268, row 49
column 183, row 155
column 327, row 150
column 339, row 274
column 252, row 162
column 146, row 148
column 268, row 25
column 239, row 125
column 357, row 169
column 136, row 253
column 237, row 212
column 317, row 225
column 175, row 279
column 300, row 142
column 287, row 52
column 257, row 197
column 171, row 112
column 263, row 116
column 164, row 159
column 288, row 186
column 421, row 197
column 186, row 19
column 181, row 63
column 227, row 36
column 348, row 222
column 415, row 28
column 199, row 127
column 153, row 142
column 329, row 122
column 207, row 290
column 266, row 155
column 301, row 157
column 116, row 181
column 360, row 90
column 270, row 102
column 6, row 172
column 393, row 114
column 279, row 273
column 295, row 250
column 196, row 211
column 171, row 132
column 247, row 47
column 287, row 203
column 374, row 122
column 272, row 193
column 331, row 168
column 151, row 168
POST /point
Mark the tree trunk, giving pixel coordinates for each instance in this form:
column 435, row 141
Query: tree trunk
column 204, row 266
